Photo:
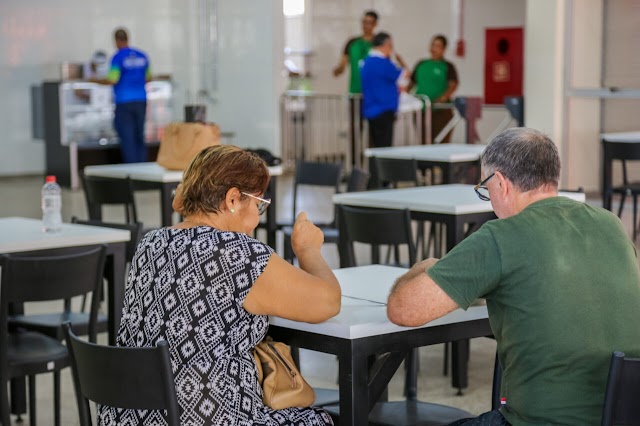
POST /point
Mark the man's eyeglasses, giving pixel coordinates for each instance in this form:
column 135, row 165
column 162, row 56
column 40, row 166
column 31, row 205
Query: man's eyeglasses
column 262, row 205
column 482, row 190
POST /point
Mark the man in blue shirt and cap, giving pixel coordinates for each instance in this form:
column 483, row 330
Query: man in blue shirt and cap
column 128, row 74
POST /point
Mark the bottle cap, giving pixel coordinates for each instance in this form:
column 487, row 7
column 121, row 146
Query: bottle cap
column 50, row 179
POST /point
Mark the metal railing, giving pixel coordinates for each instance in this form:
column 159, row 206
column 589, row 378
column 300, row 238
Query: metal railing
column 323, row 127
column 330, row 128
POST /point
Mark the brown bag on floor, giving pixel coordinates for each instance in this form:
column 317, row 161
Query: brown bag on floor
column 182, row 141
column 281, row 381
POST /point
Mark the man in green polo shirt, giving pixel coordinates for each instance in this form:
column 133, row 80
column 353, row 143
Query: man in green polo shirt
column 436, row 78
column 560, row 279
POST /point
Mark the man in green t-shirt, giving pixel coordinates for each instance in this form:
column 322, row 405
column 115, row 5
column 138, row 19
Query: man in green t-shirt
column 560, row 279
column 436, row 78
column 356, row 49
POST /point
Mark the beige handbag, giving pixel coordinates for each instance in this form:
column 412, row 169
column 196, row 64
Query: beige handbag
column 281, row 381
column 182, row 141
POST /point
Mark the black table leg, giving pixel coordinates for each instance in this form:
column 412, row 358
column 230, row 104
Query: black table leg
column 460, row 348
column 115, row 274
column 272, row 212
column 354, row 390
column 447, row 173
column 460, row 364
column 166, row 200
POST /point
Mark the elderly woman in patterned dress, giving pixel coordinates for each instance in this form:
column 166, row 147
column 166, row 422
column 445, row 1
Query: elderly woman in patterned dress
column 206, row 287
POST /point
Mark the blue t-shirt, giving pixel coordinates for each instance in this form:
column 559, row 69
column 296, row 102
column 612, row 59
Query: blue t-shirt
column 129, row 71
column 379, row 90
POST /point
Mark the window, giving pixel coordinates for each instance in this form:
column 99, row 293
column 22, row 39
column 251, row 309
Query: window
column 293, row 7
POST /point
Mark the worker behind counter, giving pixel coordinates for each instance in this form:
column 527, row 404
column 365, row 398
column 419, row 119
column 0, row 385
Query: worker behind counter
column 128, row 73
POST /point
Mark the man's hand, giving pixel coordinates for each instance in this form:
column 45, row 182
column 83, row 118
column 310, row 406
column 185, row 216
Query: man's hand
column 338, row 70
column 400, row 61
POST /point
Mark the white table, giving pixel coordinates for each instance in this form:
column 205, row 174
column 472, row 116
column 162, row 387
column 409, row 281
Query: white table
column 455, row 205
column 444, row 156
column 153, row 176
column 617, row 145
column 628, row 137
column 362, row 329
column 19, row 235
column 449, row 153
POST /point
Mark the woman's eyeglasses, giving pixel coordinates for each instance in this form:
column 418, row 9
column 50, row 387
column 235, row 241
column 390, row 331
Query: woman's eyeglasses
column 482, row 190
column 262, row 205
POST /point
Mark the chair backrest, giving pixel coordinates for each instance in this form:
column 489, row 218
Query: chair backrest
column 358, row 180
column 622, row 151
column 621, row 396
column 129, row 378
column 315, row 174
column 99, row 191
column 59, row 276
column 376, row 227
column 394, row 171
column 134, row 228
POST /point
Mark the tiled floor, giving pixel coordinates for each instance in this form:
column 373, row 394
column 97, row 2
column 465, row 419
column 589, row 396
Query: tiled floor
column 21, row 197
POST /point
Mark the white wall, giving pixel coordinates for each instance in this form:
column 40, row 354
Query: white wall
column 35, row 33
column 544, row 83
column 412, row 23
column 251, row 76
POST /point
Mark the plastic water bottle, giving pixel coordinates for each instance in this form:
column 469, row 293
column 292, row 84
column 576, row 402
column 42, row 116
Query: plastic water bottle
column 51, row 206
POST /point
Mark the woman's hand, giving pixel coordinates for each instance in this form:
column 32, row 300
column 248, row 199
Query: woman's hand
column 305, row 236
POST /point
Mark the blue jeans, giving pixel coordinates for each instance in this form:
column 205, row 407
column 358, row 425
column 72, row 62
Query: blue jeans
column 491, row 418
column 129, row 123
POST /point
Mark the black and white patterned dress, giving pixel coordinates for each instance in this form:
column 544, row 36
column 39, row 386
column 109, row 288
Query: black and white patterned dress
column 187, row 286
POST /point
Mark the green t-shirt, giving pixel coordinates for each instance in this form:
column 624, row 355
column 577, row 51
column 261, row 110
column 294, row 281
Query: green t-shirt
column 432, row 77
column 356, row 49
column 562, row 287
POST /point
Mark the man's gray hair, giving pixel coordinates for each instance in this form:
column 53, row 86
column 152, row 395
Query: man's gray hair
column 527, row 157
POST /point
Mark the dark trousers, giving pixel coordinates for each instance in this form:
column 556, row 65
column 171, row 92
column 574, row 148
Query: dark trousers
column 439, row 119
column 491, row 418
column 129, row 123
column 381, row 130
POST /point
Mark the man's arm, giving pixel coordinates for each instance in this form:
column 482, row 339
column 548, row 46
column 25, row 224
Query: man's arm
column 111, row 79
column 416, row 299
column 400, row 61
column 412, row 78
column 452, row 79
column 446, row 96
column 342, row 65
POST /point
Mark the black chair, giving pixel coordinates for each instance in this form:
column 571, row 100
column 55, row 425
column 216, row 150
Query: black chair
column 134, row 228
column 37, row 278
column 621, row 396
column 318, row 175
column 130, row 378
column 83, row 274
column 358, row 181
column 623, row 152
column 309, row 174
column 136, row 232
column 99, row 191
column 375, row 227
column 391, row 171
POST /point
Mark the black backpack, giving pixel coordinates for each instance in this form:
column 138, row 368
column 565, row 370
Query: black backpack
column 267, row 156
